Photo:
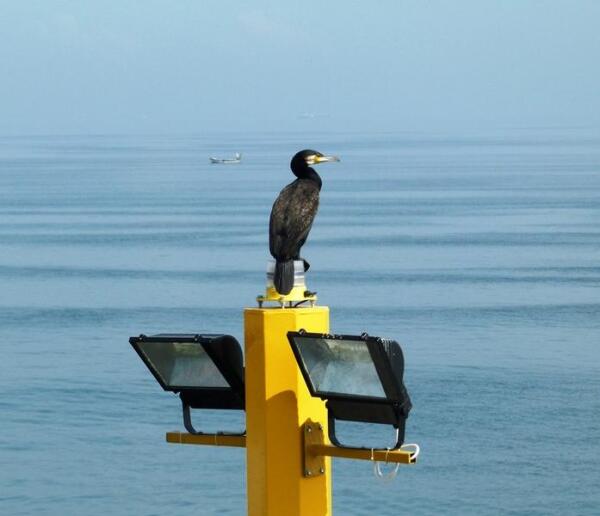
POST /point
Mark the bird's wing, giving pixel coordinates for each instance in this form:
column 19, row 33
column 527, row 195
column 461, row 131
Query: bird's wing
column 291, row 218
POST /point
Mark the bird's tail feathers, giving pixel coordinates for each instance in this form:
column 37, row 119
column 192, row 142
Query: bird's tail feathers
column 283, row 279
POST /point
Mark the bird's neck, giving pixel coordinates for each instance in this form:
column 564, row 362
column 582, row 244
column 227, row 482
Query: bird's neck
column 309, row 174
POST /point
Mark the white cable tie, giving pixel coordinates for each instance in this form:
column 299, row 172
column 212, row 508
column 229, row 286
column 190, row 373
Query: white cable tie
column 387, row 477
column 415, row 447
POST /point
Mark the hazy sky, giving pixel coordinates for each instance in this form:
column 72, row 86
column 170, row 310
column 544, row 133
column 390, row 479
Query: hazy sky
column 179, row 66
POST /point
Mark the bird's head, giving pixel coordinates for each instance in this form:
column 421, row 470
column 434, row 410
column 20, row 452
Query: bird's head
column 306, row 158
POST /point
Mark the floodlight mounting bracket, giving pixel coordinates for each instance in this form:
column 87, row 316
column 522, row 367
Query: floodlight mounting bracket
column 187, row 423
column 399, row 438
column 315, row 449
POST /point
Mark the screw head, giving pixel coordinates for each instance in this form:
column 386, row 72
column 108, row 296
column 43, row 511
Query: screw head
column 321, row 470
column 307, row 472
column 309, row 428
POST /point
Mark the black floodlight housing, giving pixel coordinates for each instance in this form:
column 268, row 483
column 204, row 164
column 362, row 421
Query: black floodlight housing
column 359, row 377
column 206, row 370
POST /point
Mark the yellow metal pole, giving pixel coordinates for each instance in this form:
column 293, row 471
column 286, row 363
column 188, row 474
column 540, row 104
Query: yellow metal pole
column 277, row 406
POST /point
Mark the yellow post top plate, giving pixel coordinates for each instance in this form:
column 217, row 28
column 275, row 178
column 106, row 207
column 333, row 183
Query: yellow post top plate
column 297, row 295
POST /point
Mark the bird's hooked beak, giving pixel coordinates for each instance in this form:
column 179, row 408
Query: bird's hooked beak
column 315, row 159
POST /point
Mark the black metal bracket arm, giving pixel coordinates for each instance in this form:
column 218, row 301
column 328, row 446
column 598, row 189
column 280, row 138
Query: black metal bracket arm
column 187, row 423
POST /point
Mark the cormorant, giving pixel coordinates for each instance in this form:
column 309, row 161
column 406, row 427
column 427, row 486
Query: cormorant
column 292, row 216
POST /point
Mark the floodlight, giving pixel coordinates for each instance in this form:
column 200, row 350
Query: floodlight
column 359, row 377
column 206, row 370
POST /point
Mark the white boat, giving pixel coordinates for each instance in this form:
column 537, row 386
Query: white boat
column 227, row 161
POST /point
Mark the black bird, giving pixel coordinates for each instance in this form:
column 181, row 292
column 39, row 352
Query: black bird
column 292, row 216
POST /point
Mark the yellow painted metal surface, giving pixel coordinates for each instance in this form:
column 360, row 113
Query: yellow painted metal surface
column 207, row 439
column 314, row 463
column 395, row 456
column 277, row 406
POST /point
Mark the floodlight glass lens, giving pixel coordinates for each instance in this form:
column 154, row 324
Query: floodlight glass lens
column 183, row 364
column 340, row 366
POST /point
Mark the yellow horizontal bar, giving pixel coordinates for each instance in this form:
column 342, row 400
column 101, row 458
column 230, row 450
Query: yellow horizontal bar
column 399, row 456
column 207, row 439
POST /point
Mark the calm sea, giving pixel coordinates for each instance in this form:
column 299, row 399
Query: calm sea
column 479, row 253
